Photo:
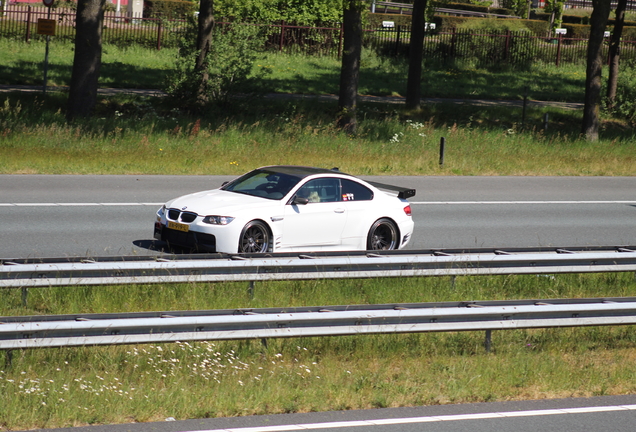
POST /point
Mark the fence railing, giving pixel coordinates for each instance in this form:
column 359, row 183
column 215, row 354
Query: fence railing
column 478, row 48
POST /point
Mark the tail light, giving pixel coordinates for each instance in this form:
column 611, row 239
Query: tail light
column 407, row 210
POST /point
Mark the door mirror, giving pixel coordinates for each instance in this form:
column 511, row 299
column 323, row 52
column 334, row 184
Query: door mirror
column 299, row 200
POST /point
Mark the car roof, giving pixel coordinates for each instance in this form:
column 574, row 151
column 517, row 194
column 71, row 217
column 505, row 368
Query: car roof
column 302, row 171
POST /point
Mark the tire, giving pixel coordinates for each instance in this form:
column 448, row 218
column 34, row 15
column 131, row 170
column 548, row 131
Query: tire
column 383, row 235
column 255, row 238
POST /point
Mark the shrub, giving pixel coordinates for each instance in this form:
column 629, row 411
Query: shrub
column 233, row 51
column 625, row 103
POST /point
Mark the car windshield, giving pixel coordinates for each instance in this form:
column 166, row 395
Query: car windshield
column 263, row 183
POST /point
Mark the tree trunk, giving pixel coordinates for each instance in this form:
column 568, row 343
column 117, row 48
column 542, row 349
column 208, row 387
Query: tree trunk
column 87, row 60
column 615, row 52
column 416, row 48
column 591, row 111
column 350, row 71
column 204, row 39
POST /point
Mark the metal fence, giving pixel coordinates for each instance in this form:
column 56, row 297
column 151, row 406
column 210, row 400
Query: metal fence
column 179, row 326
column 477, row 48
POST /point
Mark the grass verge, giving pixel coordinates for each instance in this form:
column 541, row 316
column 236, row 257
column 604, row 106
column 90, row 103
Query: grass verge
column 120, row 384
column 148, row 136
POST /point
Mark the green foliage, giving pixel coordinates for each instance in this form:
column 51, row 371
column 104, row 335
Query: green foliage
column 625, row 103
column 299, row 12
column 494, row 24
column 233, row 51
column 519, row 7
column 169, row 9
column 555, row 7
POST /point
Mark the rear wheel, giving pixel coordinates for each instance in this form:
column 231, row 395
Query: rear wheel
column 383, row 235
column 254, row 238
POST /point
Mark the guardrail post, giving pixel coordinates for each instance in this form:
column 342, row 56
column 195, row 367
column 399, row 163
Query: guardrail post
column 25, row 293
column 442, row 146
column 488, row 340
column 250, row 290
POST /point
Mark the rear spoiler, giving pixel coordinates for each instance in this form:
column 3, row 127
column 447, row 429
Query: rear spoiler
column 403, row 193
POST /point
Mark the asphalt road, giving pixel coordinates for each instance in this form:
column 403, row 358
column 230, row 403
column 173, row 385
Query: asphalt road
column 53, row 216
column 57, row 216
column 609, row 413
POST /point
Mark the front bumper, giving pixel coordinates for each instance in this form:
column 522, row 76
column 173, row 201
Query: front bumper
column 193, row 240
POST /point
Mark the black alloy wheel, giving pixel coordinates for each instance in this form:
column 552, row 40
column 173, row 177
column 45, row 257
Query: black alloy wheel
column 383, row 235
column 254, row 238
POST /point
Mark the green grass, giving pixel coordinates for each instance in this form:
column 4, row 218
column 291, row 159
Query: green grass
column 119, row 384
column 132, row 67
column 136, row 67
column 131, row 135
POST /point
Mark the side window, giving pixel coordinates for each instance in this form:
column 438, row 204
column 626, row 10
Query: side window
column 353, row 191
column 321, row 190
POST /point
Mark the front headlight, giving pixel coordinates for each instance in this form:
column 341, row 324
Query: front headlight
column 218, row 220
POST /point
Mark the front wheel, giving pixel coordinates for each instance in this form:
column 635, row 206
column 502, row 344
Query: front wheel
column 254, row 238
column 383, row 235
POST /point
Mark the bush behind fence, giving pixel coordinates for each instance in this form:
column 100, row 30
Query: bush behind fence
column 470, row 46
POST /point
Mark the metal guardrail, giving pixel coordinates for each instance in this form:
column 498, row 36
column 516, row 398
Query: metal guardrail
column 220, row 267
column 160, row 327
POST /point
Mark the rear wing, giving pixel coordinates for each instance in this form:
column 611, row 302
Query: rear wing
column 403, row 193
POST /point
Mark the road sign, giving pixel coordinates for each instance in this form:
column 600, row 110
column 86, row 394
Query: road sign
column 46, row 27
column 48, row 3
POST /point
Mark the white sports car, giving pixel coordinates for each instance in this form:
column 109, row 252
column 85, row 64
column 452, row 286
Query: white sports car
column 289, row 208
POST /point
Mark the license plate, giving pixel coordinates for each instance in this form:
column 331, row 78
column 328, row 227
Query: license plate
column 178, row 226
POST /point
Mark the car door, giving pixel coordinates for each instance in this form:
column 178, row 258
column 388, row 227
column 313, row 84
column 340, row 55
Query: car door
column 361, row 212
column 320, row 222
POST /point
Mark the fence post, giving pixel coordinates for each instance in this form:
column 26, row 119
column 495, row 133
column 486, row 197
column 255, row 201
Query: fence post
column 507, row 47
column 282, row 36
column 28, row 25
column 159, row 36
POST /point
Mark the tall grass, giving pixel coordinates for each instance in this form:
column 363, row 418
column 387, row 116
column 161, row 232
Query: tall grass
column 133, row 136
column 76, row 386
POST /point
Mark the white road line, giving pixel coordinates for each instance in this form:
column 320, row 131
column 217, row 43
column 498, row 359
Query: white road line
column 412, row 203
column 517, row 202
column 396, row 421
column 77, row 204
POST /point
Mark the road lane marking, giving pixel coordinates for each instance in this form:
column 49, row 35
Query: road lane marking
column 131, row 204
column 428, row 419
column 517, row 202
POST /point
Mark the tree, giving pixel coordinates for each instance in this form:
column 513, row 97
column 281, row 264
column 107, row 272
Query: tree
column 591, row 110
column 87, row 60
column 416, row 48
column 614, row 53
column 204, row 38
column 350, row 70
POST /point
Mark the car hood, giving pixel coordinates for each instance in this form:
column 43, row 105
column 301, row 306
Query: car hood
column 219, row 202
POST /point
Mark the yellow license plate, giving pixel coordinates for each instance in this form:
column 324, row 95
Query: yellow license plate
column 178, row 226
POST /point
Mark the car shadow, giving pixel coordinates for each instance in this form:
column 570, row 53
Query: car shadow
column 162, row 247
